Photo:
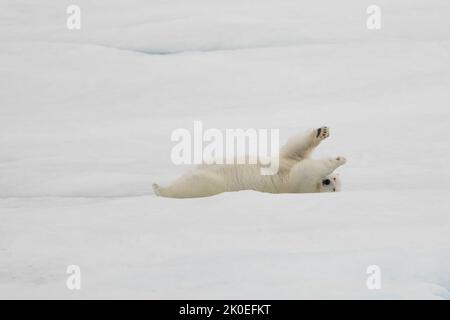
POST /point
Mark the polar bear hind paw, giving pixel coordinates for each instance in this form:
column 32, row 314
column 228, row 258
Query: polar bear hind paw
column 156, row 189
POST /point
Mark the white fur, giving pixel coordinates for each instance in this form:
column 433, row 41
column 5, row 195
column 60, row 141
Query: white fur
column 298, row 173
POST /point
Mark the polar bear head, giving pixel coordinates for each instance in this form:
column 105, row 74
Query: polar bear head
column 331, row 183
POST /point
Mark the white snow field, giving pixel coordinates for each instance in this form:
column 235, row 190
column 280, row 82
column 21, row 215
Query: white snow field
column 85, row 123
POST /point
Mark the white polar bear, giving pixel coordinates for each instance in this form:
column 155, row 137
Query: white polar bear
column 298, row 173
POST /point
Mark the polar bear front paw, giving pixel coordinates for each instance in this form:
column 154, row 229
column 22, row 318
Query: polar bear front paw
column 322, row 133
column 340, row 160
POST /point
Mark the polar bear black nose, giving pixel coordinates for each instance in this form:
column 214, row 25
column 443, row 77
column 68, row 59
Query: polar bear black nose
column 326, row 182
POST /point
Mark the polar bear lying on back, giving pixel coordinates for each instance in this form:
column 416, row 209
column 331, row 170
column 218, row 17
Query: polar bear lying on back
column 297, row 173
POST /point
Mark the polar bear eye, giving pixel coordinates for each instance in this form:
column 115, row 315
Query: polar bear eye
column 326, row 182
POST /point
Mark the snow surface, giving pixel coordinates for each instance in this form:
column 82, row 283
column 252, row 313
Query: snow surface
column 85, row 124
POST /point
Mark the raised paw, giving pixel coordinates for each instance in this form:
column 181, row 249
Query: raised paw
column 322, row 133
column 341, row 160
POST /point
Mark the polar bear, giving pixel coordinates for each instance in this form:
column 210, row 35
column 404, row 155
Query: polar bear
column 297, row 173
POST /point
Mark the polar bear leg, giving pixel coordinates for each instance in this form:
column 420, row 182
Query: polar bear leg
column 324, row 167
column 302, row 145
column 199, row 183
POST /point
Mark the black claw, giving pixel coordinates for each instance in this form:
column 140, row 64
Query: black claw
column 318, row 132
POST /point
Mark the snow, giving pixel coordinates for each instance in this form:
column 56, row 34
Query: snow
column 85, row 124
